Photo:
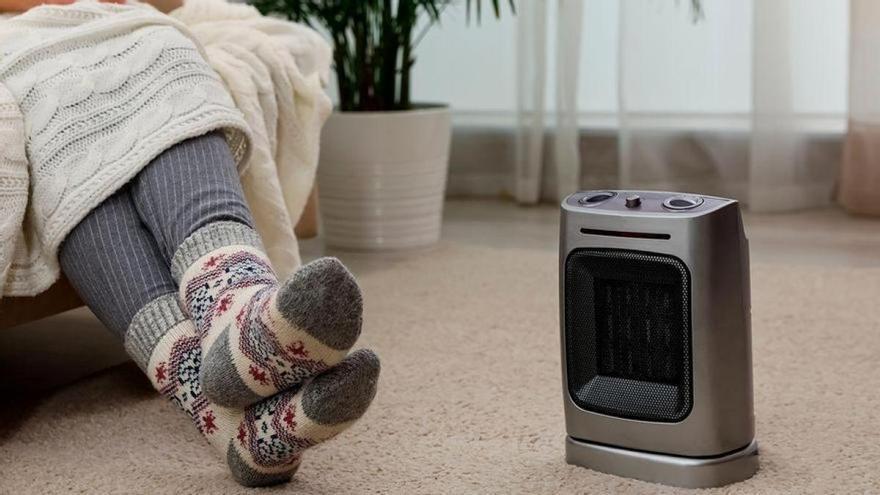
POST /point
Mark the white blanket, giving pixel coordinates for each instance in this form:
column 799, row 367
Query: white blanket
column 125, row 82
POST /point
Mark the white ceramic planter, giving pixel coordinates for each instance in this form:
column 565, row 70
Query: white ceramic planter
column 382, row 177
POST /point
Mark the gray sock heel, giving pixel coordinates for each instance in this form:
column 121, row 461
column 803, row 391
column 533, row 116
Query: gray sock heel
column 344, row 392
column 221, row 382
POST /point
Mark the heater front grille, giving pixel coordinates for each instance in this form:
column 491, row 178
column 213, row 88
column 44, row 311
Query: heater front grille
column 627, row 334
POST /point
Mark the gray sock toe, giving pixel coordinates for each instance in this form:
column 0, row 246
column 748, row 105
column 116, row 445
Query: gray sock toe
column 323, row 298
column 343, row 393
column 221, row 382
column 247, row 476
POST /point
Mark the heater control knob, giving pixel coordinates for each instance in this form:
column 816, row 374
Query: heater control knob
column 593, row 198
column 682, row 202
column 633, row 201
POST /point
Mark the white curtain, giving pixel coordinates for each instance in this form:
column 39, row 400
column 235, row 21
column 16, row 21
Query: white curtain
column 719, row 105
column 532, row 94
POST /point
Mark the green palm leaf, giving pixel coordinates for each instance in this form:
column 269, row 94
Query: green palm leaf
column 373, row 42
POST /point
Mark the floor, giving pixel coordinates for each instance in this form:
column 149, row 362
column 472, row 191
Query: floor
column 814, row 272
column 814, row 237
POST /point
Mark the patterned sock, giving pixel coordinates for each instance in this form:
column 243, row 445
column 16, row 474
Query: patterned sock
column 259, row 336
column 263, row 443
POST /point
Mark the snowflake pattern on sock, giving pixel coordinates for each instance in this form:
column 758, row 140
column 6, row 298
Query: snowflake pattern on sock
column 178, row 380
column 285, row 365
column 211, row 295
column 267, row 431
column 262, row 443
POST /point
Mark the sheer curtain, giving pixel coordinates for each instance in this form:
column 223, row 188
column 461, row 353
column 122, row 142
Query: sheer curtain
column 532, row 90
column 725, row 105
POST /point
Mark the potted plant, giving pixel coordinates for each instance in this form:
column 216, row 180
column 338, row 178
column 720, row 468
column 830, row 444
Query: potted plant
column 384, row 159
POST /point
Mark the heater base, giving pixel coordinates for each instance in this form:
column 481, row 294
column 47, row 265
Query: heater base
column 688, row 472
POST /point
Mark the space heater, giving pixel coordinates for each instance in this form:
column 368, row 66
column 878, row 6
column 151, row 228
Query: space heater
column 656, row 339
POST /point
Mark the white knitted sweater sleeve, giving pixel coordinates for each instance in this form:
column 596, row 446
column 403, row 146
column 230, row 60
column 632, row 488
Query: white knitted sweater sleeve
column 95, row 90
column 275, row 71
column 13, row 181
column 102, row 89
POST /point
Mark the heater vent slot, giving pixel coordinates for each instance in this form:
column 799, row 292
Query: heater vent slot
column 618, row 233
column 628, row 334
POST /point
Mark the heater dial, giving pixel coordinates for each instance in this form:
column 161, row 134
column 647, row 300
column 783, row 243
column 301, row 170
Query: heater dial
column 595, row 197
column 682, row 202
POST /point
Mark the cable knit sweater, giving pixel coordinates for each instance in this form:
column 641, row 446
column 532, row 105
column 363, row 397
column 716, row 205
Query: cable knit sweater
column 90, row 93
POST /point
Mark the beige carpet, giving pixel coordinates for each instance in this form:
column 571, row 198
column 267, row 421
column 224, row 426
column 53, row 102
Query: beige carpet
column 470, row 397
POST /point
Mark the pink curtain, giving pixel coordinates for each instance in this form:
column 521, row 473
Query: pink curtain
column 860, row 171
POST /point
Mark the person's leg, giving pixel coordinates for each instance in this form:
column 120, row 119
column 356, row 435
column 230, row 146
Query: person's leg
column 191, row 185
column 115, row 266
column 258, row 335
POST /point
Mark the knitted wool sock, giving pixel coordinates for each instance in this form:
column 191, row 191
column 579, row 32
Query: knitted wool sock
column 263, row 443
column 259, row 336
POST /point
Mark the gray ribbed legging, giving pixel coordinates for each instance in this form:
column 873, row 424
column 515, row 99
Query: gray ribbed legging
column 118, row 257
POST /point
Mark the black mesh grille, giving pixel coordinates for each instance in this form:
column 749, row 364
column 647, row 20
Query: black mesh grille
column 627, row 334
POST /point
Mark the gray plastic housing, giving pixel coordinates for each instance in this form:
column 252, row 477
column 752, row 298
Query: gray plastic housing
column 711, row 241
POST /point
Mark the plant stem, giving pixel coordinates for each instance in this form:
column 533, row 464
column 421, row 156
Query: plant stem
column 390, row 47
column 362, row 65
column 406, row 18
column 343, row 79
column 406, row 69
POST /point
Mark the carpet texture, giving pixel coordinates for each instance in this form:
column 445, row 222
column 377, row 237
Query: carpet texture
column 470, row 399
